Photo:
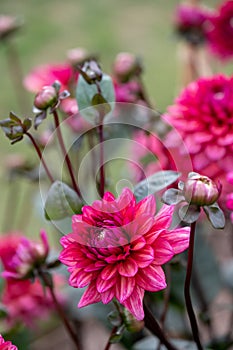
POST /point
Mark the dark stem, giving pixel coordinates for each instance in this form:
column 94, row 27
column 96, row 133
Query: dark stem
column 38, row 151
column 65, row 154
column 60, row 311
column 107, row 347
column 16, row 74
column 188, row 301
column 102, row 173
column 154, row 327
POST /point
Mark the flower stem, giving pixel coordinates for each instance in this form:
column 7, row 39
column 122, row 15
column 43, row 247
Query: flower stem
column 65, row 154
column 188, row 301
column 38, row 151
column 107, row 347
column 59, row 309
column 154, row 327
column 102, row 173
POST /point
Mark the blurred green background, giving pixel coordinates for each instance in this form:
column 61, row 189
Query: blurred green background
column 143, row 27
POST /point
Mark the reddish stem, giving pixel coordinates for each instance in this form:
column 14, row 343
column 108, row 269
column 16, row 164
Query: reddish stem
column 38, row 151
column 102, row 172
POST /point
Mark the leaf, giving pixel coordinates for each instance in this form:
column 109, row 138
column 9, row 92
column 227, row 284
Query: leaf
column 27, row 123
column 62, row 201
column 39, row 119
column 14, row 118
column 85, row 93
column 155, row 183
column 172, row 196
column 189, row 213
column 215, row 216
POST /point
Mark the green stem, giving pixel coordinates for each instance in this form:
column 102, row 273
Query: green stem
column 188, row 300
column 108, row 345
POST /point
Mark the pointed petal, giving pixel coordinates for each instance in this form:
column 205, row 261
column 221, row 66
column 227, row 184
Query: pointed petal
column 90, row 296
column 79, row 278
column 143, row 257
column 128, row 268
column 146, row 206
column 164, row 217
column 134, row 303
column 109, row 271
column 152, row 278
column 107, row 296
column 124, row 287
column 103, row 285
column 126, row 199
column 163, row 251
column 178, row 239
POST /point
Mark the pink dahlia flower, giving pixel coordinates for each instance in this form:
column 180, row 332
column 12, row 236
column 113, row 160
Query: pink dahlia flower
column 221, row 31
column 191, row 22
column 117, row 248
column 203, row 116
column 6, row 345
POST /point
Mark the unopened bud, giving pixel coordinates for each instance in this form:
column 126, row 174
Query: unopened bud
column 46, row 97
column 77, row 56
column 201, row 190
column 125, row 66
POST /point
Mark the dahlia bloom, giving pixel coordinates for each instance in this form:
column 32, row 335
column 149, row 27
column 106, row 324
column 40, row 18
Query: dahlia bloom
column 6, row 345
column 28, row 254
column 25, row 301
column 220, row 31
column 117, row 248
column 203, row 116
column 190, row 22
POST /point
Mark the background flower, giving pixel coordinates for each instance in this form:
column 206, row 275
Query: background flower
column 117, row 248
column 6, row 345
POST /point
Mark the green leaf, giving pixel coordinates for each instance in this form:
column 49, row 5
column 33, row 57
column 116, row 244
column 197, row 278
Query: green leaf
column 85, row 93
column 155, row 183
column 215, row 216
column 14, row 118
column 62, row 201
column 172, row 196
column 27, row 123
column 189, row 213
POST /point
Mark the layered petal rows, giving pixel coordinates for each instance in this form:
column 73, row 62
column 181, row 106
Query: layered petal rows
column 117, row 248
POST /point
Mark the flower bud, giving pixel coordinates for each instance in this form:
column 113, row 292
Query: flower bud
column 77, row 56
column 125, row 66
column 201, row 190
column 8, row 25
column 46, row 97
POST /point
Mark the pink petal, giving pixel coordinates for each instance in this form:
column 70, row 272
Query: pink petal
column 215, row 152
column 163, row 252
column 79, row 278
column 103, row 285
column 128, row 268
column 45, row 242
column 109, row 271
column 147, row 205
column 124, row 287
column 90, row 296
column 134, row 303
column 126, row 199
column 144, row 256
column 151, row 278
column 107, row 296
column 164, row 217
column 178, row 239
column 138, row 244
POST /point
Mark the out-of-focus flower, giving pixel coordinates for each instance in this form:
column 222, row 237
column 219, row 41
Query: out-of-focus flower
column 229, row 199
column 129, row 92
column 148, row 155
column 25, row 301
column 78, row 56
column 6, row 345
column 221, row 31
column 203, row 116
column 191, row 22
column 28, row 255
column 117, row 248
column 8, row 26
column 126, row 66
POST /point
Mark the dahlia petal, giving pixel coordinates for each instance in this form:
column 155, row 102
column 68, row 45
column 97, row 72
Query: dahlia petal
column 109, row 197
column 90, row 296
column 215, row 152
column 225, row 140
column 178, row 239
column 79, row 278
column 128, row 268
column 108, row 272
column 143, row 257
column 138, row 244
column 126, row 199
column 146, row 205
column 163, row 251
column 124, row 287
column 107, row 296
column 134, row 303
column 103, row 285
column 152, row 278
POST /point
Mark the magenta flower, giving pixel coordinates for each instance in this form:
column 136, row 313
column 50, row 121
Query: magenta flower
column 28, row 254
column 221, row 31
column 203, row 116
column 6, row 345
column 191, row 22
column 117, row 248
